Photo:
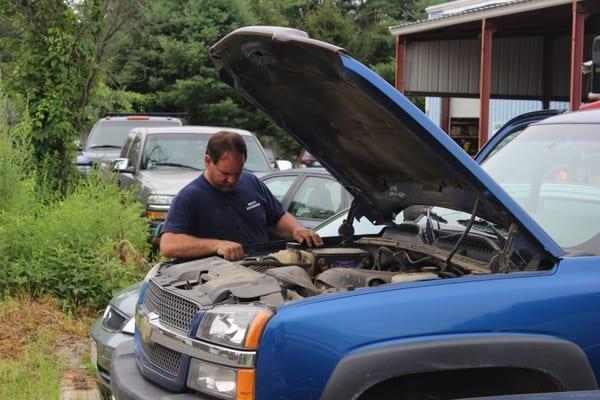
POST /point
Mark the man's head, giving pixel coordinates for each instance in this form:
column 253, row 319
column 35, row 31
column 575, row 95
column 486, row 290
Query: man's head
column 224, row 160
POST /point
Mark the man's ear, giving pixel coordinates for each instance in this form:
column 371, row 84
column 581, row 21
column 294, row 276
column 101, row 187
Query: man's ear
column 207, row 160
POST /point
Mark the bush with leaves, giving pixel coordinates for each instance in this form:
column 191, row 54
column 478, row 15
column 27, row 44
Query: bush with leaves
column 80, row 248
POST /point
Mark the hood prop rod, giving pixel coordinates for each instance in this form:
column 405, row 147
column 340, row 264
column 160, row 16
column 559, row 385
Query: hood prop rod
column 462, row 237
column 346, row 230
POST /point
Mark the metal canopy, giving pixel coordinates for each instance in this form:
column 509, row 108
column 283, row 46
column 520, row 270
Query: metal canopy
column 530, row 54
column 519, row 49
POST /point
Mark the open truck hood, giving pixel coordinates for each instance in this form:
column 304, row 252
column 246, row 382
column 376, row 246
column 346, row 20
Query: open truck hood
column 380, row 146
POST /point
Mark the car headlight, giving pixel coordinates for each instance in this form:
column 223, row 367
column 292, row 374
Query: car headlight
column 212, row 379
column 160, row 199
column 234, row 326
column 114, row 320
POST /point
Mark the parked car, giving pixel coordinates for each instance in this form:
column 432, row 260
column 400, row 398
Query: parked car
column 114, row 327
column 305, row 159
column 161, row 161
column 108, row 135
column 271, row 157
column 276, row 163
column 501, row 302
column 116, row 324
column 311, row 195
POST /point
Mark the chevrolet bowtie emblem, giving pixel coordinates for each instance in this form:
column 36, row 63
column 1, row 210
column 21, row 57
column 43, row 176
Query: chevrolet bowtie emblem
column 144, row 325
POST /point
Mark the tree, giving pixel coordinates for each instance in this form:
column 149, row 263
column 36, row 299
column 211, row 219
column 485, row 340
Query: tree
column 165, row 54
column 55, row 55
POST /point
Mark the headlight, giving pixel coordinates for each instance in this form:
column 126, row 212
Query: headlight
column 160, row 199
column 113, row 319
column 222, row 382
column 234, row 326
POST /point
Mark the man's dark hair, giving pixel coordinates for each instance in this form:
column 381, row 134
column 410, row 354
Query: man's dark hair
column 225, row 141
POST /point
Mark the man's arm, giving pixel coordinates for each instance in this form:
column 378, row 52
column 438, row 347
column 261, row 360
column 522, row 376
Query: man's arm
column 180, row 245
column 289, row 227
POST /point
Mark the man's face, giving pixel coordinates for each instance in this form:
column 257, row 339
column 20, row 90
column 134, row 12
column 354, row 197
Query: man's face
column 225, row 174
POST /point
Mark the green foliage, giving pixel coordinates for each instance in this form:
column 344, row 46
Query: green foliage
column 79, row 247
column 74, row 248
column 15, row 161
column 164, row 54
column 57, row 52
column 106, row 100
column 41, row 367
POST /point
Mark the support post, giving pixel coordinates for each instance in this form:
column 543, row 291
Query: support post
column 485, row 80
column 400, row 59
column 445, row 117
column 577, row 34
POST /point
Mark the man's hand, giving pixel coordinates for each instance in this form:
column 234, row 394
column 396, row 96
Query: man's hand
column 311, row 238
column 231, row 251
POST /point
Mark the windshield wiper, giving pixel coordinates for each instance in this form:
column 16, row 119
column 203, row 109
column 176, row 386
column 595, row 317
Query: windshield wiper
column 170, row 164
column 486, row 227
column 110, row 146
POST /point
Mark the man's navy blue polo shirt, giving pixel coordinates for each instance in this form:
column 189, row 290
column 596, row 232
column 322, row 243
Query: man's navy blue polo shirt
column 242, row 215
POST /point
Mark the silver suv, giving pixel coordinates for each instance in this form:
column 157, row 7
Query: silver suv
column 161, row 161
column 108, row 135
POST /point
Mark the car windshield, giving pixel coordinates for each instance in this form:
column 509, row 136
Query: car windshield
column 553, row 172
column 114, row 133
column 186, row 150
column 439, row 217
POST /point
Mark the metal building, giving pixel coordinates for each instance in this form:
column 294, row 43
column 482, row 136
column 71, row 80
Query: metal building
column 509, row 56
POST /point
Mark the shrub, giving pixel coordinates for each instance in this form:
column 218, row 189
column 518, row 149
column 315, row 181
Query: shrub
column 80, row 243
column 73, row 248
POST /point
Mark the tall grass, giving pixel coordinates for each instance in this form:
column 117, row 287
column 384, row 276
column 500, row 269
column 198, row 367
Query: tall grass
column 68, row 246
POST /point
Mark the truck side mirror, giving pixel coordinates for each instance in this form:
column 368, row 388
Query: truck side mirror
column 122, row 165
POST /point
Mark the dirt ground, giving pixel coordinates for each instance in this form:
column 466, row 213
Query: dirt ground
column 24, row 322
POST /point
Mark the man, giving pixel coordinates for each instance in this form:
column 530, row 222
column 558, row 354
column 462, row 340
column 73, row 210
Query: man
column 226, row 208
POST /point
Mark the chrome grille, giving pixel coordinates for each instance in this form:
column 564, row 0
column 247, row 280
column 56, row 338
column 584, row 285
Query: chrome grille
column 172, row 309
column 162, row 357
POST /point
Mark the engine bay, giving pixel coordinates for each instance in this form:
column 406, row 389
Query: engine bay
column 400, row 255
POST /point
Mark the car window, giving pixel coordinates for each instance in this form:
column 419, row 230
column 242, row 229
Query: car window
column 317, row 198
column 256, row 161
column 173, row 150
column 134, row 152
column 182, row 149
column 279, row 185
column 553, row 172
column 114, row 133
column 362, row 226
column 509, row 138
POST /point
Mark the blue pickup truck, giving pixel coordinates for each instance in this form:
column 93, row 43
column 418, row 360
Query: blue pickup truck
column 485, row 281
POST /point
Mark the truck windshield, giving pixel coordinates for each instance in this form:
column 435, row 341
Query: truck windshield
column 553, row 172
column 186, row 150
column 114, row 133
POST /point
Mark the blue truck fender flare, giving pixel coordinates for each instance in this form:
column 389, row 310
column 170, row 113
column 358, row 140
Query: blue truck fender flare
column 362, row 369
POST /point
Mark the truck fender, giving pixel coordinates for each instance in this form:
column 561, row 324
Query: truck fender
column 362, row 369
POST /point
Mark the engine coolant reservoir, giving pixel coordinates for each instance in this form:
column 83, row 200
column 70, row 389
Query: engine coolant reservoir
column 293, row 255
